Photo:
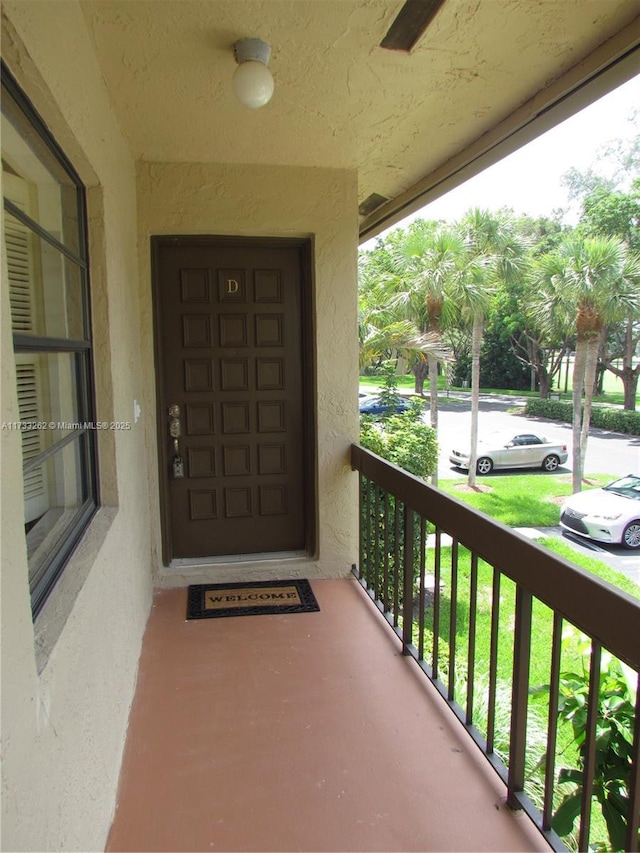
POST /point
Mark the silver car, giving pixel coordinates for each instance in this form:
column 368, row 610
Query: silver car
column 611, row 514
column 522, row 450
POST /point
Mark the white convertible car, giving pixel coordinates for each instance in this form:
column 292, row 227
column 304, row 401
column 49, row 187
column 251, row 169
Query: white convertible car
column 523, row 450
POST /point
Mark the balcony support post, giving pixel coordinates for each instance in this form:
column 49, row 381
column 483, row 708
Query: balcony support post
column 519, row 696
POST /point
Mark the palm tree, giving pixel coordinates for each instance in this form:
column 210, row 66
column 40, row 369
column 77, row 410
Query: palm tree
column 472, row 292
column 495, row 252
column 383, row 327
column 589, row 282
column 426, row 265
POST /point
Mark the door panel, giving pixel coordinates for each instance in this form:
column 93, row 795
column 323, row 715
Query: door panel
column 231, row 358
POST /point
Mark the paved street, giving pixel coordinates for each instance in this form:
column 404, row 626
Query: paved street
column 607, row 453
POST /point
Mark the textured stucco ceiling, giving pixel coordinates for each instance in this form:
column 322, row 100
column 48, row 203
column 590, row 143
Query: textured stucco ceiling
column 340, row 100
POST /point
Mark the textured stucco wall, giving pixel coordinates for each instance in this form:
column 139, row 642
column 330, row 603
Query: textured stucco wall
column 67, row 682
column 275, row 202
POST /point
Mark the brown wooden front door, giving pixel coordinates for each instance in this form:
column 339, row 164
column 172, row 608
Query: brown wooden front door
column 231, row 361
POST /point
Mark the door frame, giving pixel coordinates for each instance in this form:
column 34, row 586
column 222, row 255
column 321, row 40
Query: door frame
column 307, row 302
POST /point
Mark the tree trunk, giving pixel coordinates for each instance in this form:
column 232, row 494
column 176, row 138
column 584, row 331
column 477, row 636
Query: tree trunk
column 630, row 381
column 545, row 384
column 598, row 383
column 590, row 370
column 630, row 373
column 578, row 385
column 433, row 389
column 476, row 344
column 433, row 402
column 420, row 370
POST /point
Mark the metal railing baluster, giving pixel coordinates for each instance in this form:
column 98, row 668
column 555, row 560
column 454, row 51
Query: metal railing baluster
column 552, row 732
column 519, row 695
column 421, row 593
column 471, row 649
column 437, row 557
column 386, row 600
column 407, row 581
column 396, row 563
column 493, row 661
column 376, row 546
column 453, row 621
column 590, row 746
column 363, row 540
column 367, row 510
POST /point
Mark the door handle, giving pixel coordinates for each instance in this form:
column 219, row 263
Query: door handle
column 175, row 431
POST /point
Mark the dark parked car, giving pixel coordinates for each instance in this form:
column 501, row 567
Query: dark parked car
column 375, row 406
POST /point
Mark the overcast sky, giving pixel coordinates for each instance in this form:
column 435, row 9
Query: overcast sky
column 529, row 180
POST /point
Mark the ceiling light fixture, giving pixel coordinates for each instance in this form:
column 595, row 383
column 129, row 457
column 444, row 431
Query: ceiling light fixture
column 252, row 80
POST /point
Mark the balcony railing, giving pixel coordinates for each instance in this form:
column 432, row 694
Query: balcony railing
column 467, row 596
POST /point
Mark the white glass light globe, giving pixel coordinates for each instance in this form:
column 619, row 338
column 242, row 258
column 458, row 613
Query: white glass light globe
column 253, row 84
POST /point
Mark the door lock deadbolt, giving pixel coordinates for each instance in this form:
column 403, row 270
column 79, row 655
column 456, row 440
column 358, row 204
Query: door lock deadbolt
column 175, row 431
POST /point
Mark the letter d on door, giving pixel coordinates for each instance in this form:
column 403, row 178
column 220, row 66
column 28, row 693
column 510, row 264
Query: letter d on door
column 232, row 285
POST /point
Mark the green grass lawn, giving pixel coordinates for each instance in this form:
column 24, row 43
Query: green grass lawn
column 521, row 500
column 406, row 383
column 533, row 500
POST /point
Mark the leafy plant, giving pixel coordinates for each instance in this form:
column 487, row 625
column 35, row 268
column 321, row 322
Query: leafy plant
column 614, row 743
column 411, row 444
column 401, row 438
column 389, row 396
column 371, row 436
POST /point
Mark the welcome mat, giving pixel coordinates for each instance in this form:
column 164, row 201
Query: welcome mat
column 208, row 601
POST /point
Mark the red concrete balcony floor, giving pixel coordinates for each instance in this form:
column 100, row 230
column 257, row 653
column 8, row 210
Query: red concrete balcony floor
column 306, row 732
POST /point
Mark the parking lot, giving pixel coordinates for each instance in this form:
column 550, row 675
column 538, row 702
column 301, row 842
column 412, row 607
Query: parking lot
column 607, row 453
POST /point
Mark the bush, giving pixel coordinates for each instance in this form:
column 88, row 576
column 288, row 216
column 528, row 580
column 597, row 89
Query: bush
column 602, row 417
column 616, row 420
column 371, row 436
column 404, row 440
column 552, row 409
column 613, row 759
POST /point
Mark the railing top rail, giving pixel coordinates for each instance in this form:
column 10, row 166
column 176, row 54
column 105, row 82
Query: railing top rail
column 605, row 613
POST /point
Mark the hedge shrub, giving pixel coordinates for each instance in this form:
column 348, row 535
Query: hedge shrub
column 402, row 439
column 602, row 417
